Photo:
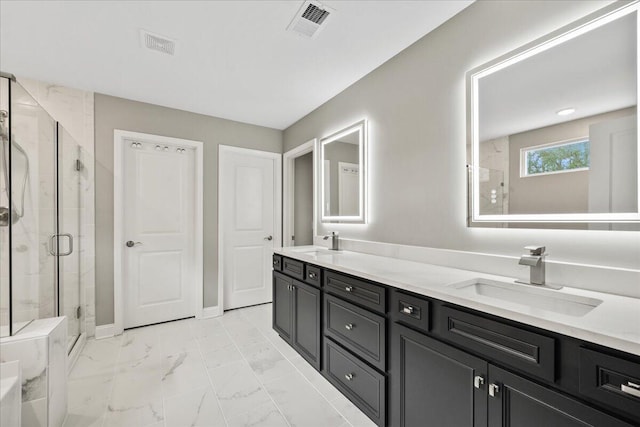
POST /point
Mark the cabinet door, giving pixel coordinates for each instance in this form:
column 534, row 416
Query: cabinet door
column 433, row 383
column 521, row 403
column 306, row 322
column 282, row 305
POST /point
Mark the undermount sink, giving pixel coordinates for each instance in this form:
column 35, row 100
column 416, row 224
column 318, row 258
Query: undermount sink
column 528, row 295
column 315, row 251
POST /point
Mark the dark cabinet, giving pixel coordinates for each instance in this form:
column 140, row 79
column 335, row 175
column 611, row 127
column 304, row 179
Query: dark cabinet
column 296, row 316
column 516, row 401
column 282, row 304
column 434, row 384
column 306, row 322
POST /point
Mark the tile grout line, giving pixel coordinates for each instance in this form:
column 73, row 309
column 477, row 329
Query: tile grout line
column 300, row 372
column 252, row 371
column 215, row 394
column 307, row 379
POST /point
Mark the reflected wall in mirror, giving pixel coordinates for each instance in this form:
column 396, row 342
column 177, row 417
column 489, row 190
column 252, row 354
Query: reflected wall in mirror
column 554, row 129
column 343, row 178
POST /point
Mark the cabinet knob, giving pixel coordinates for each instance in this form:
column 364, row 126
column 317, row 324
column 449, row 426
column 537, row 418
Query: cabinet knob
column 349, row 377
column 349, row 326
column 494, row 389
column 478, row 381
column 312, row 275
column 407, row 310
column 275, row 262
column 348, row 288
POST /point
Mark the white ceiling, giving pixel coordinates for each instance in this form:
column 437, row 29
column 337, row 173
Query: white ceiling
column 234, row 59
column 593, row 73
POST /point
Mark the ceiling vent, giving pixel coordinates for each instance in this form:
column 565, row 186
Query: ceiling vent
column 310, row 19
column 157, row 42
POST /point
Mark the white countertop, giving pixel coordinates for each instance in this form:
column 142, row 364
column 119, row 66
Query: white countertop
column 613, row 323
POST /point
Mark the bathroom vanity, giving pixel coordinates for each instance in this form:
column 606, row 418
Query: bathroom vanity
column 414, row 344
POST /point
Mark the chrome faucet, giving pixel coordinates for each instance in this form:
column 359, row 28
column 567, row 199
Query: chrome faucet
column 334, row 240
column 535, row 260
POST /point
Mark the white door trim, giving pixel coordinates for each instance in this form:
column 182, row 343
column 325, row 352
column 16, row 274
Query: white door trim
column 277, row 226
column 288, row 182
column 119, row 139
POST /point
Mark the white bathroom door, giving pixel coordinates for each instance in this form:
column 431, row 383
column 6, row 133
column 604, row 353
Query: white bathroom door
column 158, row 223
column 250, row 224
column 613, row 172
column 348, row 189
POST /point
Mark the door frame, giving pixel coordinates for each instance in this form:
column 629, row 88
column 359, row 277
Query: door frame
column 120, row 137
column 288, row 185
column 224, row 150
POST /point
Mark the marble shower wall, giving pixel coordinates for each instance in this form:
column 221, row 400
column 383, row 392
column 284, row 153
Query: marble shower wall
column 74, row 109
column 494, row 176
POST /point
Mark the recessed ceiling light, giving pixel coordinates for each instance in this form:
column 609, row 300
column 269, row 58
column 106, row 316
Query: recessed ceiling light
column 566, row 111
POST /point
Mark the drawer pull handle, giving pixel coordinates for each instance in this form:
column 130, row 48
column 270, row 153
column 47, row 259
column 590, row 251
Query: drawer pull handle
column 312, row 275
column 630, row 388
column 349, row 326
column 478, row 381
column 349, row 377
column 408, row 310
column 348, row 288
column 494, row 389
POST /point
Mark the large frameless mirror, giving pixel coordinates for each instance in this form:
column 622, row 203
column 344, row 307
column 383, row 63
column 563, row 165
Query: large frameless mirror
column 343, row 175
column 553, row 129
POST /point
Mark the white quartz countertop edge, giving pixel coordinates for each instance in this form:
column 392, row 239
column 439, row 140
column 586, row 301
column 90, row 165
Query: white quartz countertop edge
column 614, row 323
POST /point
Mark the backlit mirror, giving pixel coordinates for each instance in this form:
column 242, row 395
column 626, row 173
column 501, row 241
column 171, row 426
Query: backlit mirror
column 342, row 175
column 553, row 132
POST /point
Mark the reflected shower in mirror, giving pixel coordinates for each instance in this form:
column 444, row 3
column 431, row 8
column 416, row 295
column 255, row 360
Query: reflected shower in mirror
column 342, row 171
column 554, row 130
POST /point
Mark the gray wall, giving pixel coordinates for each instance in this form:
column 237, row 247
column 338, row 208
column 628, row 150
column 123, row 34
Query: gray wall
column 555, row 193
column 303, row 200
column 416, row 108
column 117, row 113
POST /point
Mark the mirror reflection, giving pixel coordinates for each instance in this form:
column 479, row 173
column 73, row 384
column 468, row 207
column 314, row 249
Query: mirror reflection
column 556, row 128
column 342, row 169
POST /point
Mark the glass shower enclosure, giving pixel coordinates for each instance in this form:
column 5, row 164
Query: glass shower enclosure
column 41, row 212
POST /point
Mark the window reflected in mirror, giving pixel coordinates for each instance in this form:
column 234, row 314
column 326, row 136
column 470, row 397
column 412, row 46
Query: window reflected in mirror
column 554, row 127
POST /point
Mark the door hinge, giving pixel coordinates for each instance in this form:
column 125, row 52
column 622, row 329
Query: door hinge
column 78, row 165
column 78, row 312
column 293, row 238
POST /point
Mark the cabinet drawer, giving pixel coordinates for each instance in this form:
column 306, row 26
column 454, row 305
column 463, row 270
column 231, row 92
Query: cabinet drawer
column 358, row 291
column 277, row 262
column 517, row 348
column 611, row 380
column 357, row 329
column 410, row 310
column 312, row 275
column 293, row 268
column 363, row 385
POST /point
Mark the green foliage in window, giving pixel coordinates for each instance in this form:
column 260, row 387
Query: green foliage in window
column 558, row 158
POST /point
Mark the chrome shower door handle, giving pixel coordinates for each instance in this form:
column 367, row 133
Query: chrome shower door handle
column 70, row 251
column 53, row 249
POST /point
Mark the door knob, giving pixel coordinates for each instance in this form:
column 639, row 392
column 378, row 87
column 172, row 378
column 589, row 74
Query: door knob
column 268, row 238
column 131, row 243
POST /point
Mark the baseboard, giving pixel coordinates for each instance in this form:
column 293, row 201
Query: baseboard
column 105, row 331
column 209, row 312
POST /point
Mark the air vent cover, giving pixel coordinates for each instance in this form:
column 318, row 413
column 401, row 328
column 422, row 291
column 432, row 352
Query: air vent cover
column 310, row 19
column 157, row 42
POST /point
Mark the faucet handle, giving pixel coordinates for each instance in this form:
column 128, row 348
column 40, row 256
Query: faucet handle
column 535, row 250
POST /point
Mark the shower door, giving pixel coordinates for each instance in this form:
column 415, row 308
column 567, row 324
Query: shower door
column 40, row 216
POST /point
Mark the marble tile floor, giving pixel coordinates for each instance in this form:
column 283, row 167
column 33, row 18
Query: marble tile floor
column 229, row 371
